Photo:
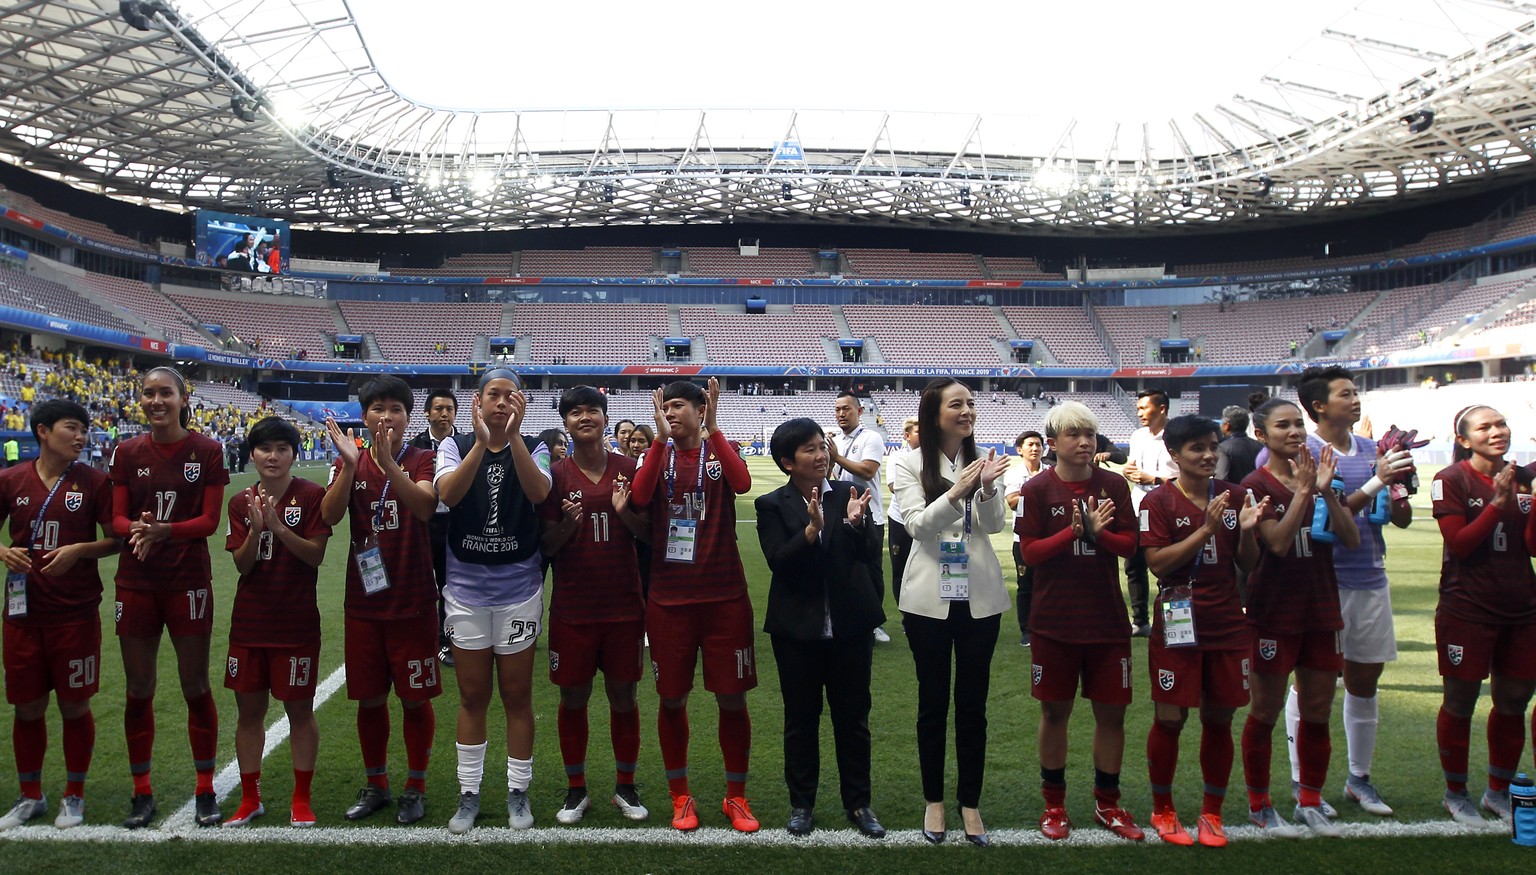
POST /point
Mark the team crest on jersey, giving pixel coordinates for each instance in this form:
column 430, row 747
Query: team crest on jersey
column 1229, row 519
column 192, row 471
column 655, row 671
column 1453, row 652
column 1268, row 648
column 1165, row 679
column 73, row 500
column 234, row 666
column 1525, row 503
column 117, row 612
column 1035, row 673
column 292, row 516
column 713, row 469
column 554, row 661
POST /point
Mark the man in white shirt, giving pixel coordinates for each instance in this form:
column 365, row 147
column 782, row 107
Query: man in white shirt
column 856, row 453
column 1031, row 448
column 1148, row 467
column 900, row 541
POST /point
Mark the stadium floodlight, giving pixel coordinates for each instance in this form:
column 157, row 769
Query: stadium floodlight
column 544, row 182
column 1419, row 121
column 243, row 107
column 482, row 182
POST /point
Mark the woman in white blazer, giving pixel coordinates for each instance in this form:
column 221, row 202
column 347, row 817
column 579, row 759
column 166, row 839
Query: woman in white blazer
column 952, row 593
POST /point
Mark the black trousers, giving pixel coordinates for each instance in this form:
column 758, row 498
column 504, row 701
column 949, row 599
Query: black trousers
column 1026, row 580
column 437, row 528
column 840, row 668
column 967, row 644
column 1136, row 582
column 877, row 567
column 900, row 546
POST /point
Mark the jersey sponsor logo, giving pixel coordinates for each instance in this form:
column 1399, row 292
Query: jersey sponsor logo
column 233, row 667
column 574, row 496
column 359, row 485
column 292, row 516
column 192, row 471
column 1165, row 679
column 1268, row 648
column 1454, row 652
column 1059, row 510
column 1474, row 502
column 713, row 469
column 23, row 501
column 1036, row 671
column 1146, row 521
column 1229, row 519
column 1182, row 521
column 73, row 500
column 1280, row 510
column 143, row 472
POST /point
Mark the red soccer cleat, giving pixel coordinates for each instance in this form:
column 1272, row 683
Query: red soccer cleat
column 1212, row 834
column 740, row 814
column 1055, row 824
column 1166, row 825
column 1118, row 821
column 684, row 817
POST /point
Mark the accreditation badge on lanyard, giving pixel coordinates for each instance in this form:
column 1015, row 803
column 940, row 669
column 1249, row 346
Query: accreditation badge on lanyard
column 683, row 517
column 955, row 565
column 367, row 555
column 1179, row 600
column 16, row 581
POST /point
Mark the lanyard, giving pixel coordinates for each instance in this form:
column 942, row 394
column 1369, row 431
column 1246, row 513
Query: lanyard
column 852, row 437
column 1200, row 553
column 37, row 522
column 967, row 519
column 672, row 474
column 378, row 511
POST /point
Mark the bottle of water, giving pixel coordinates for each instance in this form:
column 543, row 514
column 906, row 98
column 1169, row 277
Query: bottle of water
column 1322, row 523
column 1522, row 800
column 1381, row 508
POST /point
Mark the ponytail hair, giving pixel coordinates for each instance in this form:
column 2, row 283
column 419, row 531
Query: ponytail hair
column 1460, row 453
column 181, row 389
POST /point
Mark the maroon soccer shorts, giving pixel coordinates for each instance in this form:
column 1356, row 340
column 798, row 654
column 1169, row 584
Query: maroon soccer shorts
column 1471, row 651
column 1190, row 676
column 1104, row 669
column 578, row 650
column 64, row 658
column 722, row 630
column 288, row 672
column 184, row 613
column 1277, row 653
column 401, row 654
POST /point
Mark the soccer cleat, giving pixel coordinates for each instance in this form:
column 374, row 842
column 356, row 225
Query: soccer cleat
column 411, row 806
column 882, row 636
column 244, row 816
column 1361, row 790
column 1118, row 821
column 369, row 800
column 1141, row 630
column 24, row 810
column 301, row 814
column 141, row 810
column 736, row 809
column 1269, row 822
column 1496, row 802
column 1025, row 640
column 71, row 812
column 208, row 813
column 627, row 800
column 1322, row 803
column 464, row 819
column 1459, row 806
column 1314, row 818
column 1209, row 831
column 1055, row 824
column 576, row 804
column 684, row 816
column 1167, row 827
column 519, row 813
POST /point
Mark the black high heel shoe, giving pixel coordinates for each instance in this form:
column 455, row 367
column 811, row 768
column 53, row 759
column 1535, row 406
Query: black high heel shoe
column 933, row 838
column 980, row 840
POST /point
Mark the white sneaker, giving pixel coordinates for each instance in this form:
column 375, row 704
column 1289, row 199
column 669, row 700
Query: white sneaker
column 1327, row 809
column 24, row 810
column 576, row 804
column 882, row 636
column 71, row 812
column 1496, row 802
column 519, row 813
column 1314, row 818
column 628, row 802
column 1459, row 806
column 463, row 820
column 1361, row 790
column 1269, row 822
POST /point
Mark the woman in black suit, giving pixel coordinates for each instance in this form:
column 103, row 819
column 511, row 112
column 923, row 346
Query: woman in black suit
column 822, row 609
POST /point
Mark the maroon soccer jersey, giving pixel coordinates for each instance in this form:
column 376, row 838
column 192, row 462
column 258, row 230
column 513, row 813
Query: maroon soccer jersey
column 1296, row 592
column 1077, row 594
column 83, row 502
column 715, row 574
column 167, row 480
column 275, row 603
column 597, row 575
column 1495, row 583
column 1167, row 518
column 403, row 540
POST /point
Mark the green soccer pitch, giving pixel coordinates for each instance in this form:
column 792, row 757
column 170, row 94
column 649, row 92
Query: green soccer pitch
column 1406, row 770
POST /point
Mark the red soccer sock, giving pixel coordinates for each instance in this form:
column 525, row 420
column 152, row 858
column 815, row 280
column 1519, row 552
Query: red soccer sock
column 571, row 726
column 1215, row 765
column 625, row 728
column 250, row 795
column 1258, row 744
column 672, row 732
column 79, row 744
column 1506, row 742
column 419, row 725
column 1314, row 747
column 736, row 747
column 30, row 740
column 1454, row 736
column 1162, row 763
column 139, row 727
column 203, row 733
column 373, row 737
column 301, row 784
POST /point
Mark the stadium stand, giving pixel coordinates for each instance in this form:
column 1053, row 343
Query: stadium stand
column 410, row 332
column 1005, row 268
column 155, row 309
column 34, row 293
column 591, row 261
column 721, row 261
column 469, row 264
column 1259, row 331
column 264, row 323
column 1001, row 416
column 1451, row 314
column 929, row 335
column 1130, row 329
column 84, row 227
column 1064, row 330
column 1522, row 225
column 905, row 264
column 592, row 333
column 776, row 338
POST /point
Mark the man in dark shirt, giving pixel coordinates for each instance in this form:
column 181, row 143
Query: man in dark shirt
column 1238, row 451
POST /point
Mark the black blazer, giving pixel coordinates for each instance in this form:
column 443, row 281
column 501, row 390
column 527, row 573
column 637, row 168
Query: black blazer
column 809, row 579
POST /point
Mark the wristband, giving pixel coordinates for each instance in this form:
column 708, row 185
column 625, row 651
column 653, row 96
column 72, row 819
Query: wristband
column 1373, row 486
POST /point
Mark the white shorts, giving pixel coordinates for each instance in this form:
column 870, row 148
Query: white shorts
column 1369, row 636
column 505, row 629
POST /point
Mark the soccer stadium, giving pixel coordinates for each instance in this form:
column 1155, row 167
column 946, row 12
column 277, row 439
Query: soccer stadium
column 245, row 193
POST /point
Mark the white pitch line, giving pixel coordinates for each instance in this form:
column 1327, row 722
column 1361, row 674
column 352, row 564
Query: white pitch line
column 228, row 778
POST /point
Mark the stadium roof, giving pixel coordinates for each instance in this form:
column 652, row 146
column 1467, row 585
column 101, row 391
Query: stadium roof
column 280, row 108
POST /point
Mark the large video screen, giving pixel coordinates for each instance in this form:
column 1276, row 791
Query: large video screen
column 217, row 234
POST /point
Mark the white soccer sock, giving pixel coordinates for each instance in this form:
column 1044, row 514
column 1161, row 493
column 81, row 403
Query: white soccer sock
column 1360, row 721
column 519, row 773
column 471, row 766
column 1292, row 723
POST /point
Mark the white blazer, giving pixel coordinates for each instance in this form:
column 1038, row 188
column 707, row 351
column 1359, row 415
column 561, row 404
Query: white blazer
column 928, row 524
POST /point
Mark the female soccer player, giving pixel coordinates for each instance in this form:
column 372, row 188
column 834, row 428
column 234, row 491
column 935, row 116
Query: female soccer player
column 1487, row 607
column 169, row 492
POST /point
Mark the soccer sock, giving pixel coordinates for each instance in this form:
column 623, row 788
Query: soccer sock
column 1454, row 736
column 1053, row 786
column 1506, row 742
column 30, row 740
column 373, row 737
column 1162, row 763
column 418, row 726
column 519, row 773
column 250, row 795
column 672, row 732
column 203, row 732
column 79, row 744
column 1314, row 745
column 1215, row 765
column 1292, row 726
column 1258, row 745
column 571, row 726
column 301, row 784
column 139, row 727
column 1106, row 788
column 625, row 728
column 735, row 735
column 471, row 766
column 1361, row 718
